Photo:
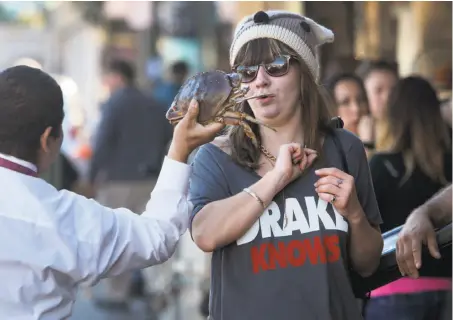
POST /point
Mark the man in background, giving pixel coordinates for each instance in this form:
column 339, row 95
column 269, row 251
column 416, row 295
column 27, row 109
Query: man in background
column 165, row 90
column 129, row 148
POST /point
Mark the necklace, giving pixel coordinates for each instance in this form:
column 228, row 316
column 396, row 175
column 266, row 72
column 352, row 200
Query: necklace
column 272, row 159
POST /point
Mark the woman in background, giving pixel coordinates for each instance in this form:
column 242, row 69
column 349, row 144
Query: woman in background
column 416, row 163
column 379, row 78
column 349, row 95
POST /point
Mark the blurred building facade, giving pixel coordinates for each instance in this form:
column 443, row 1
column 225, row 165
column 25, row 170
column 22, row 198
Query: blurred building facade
column 79, row 37
column 417, row 34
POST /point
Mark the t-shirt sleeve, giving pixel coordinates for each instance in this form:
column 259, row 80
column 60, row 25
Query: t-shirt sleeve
column 360, row 170
column 208, row 182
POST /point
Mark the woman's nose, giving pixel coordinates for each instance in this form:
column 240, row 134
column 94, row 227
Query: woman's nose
column 262, row 78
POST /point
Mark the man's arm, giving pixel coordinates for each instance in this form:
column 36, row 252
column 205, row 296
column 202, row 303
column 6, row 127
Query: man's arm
column 439, row 207
column 419, row 229
column 112, row 241
column 119, row 240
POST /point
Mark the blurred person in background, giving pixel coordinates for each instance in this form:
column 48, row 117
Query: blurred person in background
column 379, row 78
column 164, row 91
column 350, row 98
column 415, row 163
column 447, row 112
column 130, row 145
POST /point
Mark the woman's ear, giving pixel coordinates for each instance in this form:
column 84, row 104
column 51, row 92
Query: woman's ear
column 44, row 140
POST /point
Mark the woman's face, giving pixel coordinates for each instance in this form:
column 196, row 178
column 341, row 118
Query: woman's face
column 351, row 103
column 378, row 85
column 283, row 93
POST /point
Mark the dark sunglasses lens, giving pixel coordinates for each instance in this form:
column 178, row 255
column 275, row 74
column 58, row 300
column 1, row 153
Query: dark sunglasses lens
column 247, row 73
column 278, row 67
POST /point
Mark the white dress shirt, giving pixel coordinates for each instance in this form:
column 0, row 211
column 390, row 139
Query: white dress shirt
column 51, row 241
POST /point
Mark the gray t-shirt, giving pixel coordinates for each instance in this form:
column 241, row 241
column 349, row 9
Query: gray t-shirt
column 297, row 272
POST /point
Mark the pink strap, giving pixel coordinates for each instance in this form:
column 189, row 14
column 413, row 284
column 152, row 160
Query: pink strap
column 408, row 285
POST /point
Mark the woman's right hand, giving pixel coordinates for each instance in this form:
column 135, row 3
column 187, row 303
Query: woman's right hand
column 292, row 160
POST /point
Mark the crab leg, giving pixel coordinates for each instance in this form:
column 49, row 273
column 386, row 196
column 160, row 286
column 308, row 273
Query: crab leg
column 242, row 99
column 249, row 133
column 244, row 116
column 239, row 92
column 237, row 97
column 235, row 121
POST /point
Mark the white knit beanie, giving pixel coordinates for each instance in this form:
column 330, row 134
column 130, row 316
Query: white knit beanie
column 301, row 34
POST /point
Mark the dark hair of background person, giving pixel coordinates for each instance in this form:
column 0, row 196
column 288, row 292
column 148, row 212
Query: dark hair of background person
column 414, row 127
column 30, row 101
column 367, row 67
column 180, row 67
column 124, row 69
column 332, row 82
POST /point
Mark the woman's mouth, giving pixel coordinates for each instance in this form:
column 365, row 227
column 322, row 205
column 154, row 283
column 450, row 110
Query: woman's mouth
column 265, row 98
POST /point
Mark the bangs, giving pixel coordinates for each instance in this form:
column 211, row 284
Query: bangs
column 261, row 50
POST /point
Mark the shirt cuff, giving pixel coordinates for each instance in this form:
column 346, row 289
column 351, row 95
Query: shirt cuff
column 174, row 175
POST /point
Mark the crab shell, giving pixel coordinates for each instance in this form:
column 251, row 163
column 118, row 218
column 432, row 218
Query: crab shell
column 215, row 91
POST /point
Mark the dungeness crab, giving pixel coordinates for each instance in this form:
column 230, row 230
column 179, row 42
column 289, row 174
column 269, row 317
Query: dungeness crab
column 218, row 94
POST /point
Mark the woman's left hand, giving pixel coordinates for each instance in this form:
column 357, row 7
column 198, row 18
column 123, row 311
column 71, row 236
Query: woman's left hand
column 338, row 188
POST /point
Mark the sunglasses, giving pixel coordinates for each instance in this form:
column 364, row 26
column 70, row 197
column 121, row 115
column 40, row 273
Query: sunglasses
column 277, row 68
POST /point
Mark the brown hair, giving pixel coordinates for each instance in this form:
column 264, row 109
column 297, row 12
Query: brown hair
column 414, row 127
column 316, row 112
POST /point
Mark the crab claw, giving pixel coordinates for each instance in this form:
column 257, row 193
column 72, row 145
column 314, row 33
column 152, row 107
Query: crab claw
column 174, row 115
column 245, row 90
column 235, row 79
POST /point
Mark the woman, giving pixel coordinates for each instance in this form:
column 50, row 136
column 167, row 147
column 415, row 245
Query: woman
column 349, row 95
column 282, row 239
column 417, row 163
column 379, row 78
